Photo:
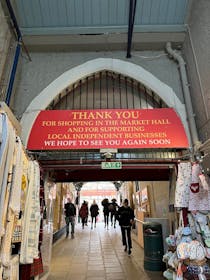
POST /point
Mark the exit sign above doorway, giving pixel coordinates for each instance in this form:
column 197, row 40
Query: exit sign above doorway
column 111, row 165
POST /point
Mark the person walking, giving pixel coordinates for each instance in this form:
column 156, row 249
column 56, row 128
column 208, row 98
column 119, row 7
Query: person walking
column 94, row 211
column 105, row 204
column 126, row 218
column 113, row 206
column 70, row 213
column 83, row 213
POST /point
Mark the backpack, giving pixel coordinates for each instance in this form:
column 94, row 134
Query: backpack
column 112, row 207
column 83, row 211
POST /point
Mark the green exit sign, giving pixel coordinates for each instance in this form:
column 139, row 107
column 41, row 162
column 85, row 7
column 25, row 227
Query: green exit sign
column 111, row 165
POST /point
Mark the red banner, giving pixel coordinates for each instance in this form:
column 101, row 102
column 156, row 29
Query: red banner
column 107, row 128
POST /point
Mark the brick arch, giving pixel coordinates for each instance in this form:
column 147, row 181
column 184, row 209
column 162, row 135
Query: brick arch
column 45, row 97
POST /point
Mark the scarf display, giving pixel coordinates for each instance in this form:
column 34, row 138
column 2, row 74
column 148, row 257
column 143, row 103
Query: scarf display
column 14, row 268
column 31, row 217
column 19, row 205
column 6, row 156
column 14, row 203
column 6, row 243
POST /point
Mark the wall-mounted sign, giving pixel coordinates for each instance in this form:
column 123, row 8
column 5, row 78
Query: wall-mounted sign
column 107, row 128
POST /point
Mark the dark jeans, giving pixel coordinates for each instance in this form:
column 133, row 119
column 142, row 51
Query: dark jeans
column 70, row 220
column 93, row 219
column 106, row 219
column 126, row 236
column 84, row 221
column 113, row 217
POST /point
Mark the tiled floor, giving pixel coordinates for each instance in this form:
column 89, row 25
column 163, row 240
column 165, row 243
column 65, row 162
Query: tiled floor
column 98, row 255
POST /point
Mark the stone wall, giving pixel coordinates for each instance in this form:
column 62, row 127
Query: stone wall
column 197, row 54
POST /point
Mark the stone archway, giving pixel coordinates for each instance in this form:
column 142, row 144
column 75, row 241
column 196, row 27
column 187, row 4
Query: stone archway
column 43, row 99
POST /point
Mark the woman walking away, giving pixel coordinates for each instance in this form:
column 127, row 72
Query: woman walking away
column 94, row 211
column 126, row 219
column 105, row 203
column 83, row 213
column 113, row 209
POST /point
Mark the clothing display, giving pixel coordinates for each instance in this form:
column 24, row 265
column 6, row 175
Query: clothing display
column 199, row 198
column 14, row 203
column 19, row 206
column 183, row 184
column 188, row 254
column 31, row 224
column 6, row 157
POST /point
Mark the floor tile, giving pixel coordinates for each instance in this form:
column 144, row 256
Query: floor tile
column 98, row 255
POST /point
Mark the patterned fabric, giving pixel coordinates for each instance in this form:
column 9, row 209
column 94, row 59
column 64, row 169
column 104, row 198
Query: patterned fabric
column 31, row 221
column 199, row 200
column 195, row 269
column 31, row 270
column 183, row 184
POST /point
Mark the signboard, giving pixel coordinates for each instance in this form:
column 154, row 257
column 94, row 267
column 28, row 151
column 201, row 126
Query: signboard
column 111, row 165
column 107, row 128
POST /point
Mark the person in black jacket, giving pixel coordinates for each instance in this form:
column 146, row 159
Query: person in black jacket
column 105, row 203
column 113, row 210
column 94, row 211
column 70, row 213
column 126, row 218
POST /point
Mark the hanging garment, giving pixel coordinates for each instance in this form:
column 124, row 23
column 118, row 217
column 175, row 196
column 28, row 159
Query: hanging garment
column 31, row 217
column 6, row 159
column 183, row 184
column 199, row 197
column 14, row 268
column 15, row 197
column 7, row 239
column 11, row 272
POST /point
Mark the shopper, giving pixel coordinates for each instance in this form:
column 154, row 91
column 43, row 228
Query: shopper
column 70, row 213
column 113, row 206
column 105, row 204
column 83, row 213
column 126, row 218
column 94, row 211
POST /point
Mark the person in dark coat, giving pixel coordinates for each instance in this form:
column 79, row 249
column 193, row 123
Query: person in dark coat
column 113, row 206
column 126, row 218
column 83, row 213
column 94, row 211
column 105, row 204
column 70, row 213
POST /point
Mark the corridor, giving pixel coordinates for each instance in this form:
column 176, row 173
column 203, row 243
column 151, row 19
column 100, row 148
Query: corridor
column 98, row 255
